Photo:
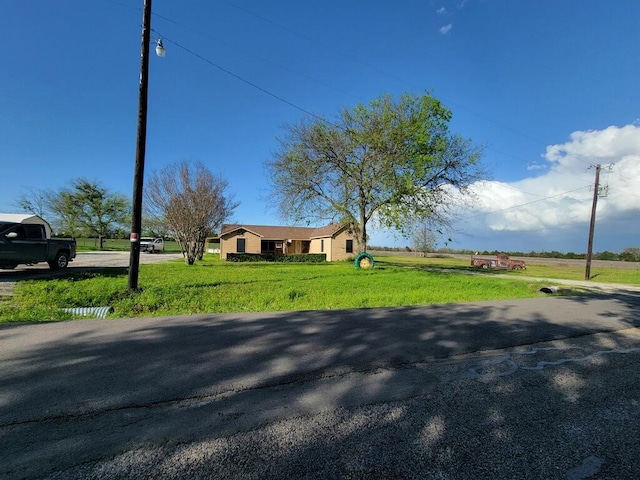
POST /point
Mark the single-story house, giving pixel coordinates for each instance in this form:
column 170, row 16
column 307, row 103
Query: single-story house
column 336, row 241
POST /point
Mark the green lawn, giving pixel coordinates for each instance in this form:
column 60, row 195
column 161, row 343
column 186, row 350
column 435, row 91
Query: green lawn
column 564, row 271
column 215, row 286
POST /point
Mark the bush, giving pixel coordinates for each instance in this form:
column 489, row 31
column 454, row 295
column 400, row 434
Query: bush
column 294, row 258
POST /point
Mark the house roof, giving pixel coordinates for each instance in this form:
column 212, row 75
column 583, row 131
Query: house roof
column 270, row 232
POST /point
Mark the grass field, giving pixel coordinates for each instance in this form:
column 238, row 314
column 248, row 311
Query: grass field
column 215, row 286
column 559, row 270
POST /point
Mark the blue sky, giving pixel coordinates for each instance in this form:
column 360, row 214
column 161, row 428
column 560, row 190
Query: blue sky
column 550, row 88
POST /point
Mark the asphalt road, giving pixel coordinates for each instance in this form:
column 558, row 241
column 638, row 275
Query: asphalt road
column 536, row 388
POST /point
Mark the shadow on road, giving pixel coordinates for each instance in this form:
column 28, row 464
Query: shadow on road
column 361, row 401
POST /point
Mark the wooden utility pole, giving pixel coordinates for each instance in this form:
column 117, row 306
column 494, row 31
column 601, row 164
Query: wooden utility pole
column 592, row 226
column 138, row 178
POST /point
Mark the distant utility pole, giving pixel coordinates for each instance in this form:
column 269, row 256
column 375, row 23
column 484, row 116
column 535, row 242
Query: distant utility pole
column 592, row 226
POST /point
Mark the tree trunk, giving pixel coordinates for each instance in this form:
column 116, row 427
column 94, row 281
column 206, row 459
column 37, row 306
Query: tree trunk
column 363, row 231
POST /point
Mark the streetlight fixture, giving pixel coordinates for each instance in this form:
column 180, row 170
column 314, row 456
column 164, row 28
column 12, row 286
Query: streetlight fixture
column 160, row 51
column 138, row 178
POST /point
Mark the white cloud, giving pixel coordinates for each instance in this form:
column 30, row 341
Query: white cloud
column 441, row 11
column 561, row 199
column 536, row 166
column 446, row 29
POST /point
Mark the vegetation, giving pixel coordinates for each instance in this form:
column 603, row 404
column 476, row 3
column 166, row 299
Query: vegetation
column 191, row 202
column 86, row 208
column 392, row 160
column 268, row 257
column 183, row 201
column 627, row 255
column 559, row 271
column 216, row 286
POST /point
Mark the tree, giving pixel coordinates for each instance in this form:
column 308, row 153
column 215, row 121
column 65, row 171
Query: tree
column 424, row 240
column 391, row 161
column 35, row 201
column 91, row 208
column 84, row 208
column 192, row 202
column 630, row 254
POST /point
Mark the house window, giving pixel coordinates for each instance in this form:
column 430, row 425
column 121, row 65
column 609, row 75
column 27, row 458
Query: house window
column 240, row 245
column 349, row 246
column 269, row 246
column 322, row 244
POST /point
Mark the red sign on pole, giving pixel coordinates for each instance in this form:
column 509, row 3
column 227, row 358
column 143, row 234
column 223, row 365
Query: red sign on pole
column 133, row 237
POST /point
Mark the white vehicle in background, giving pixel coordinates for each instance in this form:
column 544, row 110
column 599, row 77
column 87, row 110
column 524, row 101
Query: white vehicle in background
column 151, row 245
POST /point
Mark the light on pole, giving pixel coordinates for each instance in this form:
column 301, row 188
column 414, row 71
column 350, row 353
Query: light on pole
column 138, row 177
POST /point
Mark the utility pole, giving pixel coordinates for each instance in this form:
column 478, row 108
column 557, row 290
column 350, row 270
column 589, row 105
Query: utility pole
column 138, row 179
column 592, row 226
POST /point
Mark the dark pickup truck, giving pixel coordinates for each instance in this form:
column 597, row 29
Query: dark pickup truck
column 26, row 239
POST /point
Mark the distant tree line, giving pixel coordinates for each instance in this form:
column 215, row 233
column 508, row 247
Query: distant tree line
column 630, row 254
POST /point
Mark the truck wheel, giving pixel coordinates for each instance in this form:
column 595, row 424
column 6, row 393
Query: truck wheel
column 60, row 262
column 485, row 266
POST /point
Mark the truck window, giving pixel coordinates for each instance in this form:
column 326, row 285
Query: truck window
column 34, row 232
column 21, row 232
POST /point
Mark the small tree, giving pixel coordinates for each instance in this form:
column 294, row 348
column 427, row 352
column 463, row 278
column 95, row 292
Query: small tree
column 192, row 202
column 393, row 161
column 424, row 240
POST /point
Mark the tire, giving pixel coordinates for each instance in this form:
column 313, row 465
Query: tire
column 364, row 261
column 485, row 266
column 61, row 261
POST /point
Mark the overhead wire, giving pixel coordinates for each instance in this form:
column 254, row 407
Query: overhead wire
column 312, row 114
column 292, row 104
column 384, row 72
column 242, row 79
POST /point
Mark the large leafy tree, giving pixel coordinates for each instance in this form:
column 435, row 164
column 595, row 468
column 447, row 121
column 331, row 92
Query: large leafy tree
column 84, row 208
column 393, row 160
column 191, row 201
column 90, row 206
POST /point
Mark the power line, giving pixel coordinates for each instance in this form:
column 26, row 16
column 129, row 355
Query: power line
column 346, row 55
column 244, row 80
column 382, row 71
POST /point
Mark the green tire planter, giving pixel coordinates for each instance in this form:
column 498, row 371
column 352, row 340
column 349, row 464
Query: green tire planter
column 364, row 261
